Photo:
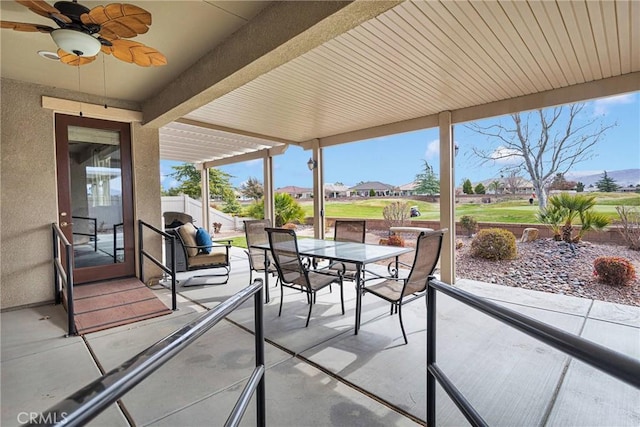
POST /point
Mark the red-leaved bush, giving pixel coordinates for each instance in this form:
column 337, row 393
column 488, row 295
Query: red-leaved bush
column 613, row 270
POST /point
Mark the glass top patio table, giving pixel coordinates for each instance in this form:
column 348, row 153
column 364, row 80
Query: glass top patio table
column 356, row 253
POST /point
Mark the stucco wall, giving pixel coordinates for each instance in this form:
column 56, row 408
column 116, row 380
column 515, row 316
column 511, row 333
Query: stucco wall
column 28, row 189
column 145, row 152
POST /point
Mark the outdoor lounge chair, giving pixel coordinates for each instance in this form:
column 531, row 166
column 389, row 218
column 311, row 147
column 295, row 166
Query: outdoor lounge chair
column 176, row 219
column 293, row 273
column 399, row 291
column 254, row 231
column 201, row 253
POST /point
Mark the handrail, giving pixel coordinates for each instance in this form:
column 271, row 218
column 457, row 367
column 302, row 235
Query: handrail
column 142, row 254
column 115, row 241
column 63, row 274
column 85, row 404
column 95, row 230
column 613, row 363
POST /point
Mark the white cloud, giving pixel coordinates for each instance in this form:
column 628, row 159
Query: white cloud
column 433, row 149
column 505, row 155
column 602, row 106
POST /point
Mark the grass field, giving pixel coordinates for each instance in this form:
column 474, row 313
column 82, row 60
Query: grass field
column 512, row 211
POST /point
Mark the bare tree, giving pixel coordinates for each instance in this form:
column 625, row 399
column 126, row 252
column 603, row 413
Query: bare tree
column 543, row 143
column 513, row 181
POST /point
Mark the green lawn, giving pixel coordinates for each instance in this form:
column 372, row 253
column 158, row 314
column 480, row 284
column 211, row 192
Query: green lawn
column 518, row 211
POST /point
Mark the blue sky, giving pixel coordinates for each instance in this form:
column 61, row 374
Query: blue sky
column 397, row 159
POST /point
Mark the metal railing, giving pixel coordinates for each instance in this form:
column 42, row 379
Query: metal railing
column 85, row 404
column 63, row 274
column 116, row 248
column 93, row 235
column 610, row 362
column 142, row 254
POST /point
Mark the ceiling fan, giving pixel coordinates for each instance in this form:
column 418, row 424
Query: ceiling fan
column 84, row 32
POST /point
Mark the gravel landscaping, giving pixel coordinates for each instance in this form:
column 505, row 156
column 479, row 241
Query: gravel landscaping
column 550, row 266
column 545, row 265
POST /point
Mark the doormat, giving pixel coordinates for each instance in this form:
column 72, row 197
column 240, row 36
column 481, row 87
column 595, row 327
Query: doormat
column 105, row 305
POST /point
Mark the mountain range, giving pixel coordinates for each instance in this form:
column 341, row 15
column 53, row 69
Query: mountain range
column 624, row 177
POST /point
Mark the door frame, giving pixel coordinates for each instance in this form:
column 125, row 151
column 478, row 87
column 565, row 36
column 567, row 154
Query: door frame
column 109, row 271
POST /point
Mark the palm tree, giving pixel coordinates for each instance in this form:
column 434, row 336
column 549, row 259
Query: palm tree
column 553, row 217
column 577, row 206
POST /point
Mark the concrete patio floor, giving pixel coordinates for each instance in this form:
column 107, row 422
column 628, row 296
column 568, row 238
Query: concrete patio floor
column 324, row 375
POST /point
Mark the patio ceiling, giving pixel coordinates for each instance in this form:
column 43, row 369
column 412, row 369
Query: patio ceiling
column 395, row 73
column 244, row 77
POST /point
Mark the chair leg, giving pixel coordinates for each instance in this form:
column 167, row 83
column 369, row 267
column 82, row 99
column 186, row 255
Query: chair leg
column 281, row 298
column 309, row 315
column 342, row 297
column 404, row 335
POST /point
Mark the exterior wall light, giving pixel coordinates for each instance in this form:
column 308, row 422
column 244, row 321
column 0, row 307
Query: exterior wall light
column 312, row 164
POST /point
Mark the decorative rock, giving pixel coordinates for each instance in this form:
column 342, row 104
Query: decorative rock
column 459, row 244
column 529, row 235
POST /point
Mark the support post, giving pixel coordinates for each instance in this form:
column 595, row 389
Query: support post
column 318, row 191
column 447, row 197
column 269, row 203
column 204, row 184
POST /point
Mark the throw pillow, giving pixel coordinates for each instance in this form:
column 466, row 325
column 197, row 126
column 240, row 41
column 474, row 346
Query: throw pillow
column 203, row 239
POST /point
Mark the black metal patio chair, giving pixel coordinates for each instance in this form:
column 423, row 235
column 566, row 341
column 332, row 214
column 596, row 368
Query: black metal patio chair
column 259, row 260
column 293, row 272
column 399, row 291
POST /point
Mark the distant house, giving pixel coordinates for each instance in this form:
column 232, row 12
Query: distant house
column 333, row 191
column 630, row 189
column 296, row 192
column 408, row 189
column 511, row 185
column 380, row 189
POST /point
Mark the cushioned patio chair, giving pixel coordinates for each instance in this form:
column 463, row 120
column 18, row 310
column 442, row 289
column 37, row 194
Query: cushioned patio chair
column 254, row 231
column 293, row 273
column 399, row 291
column 176, row 219
column 201, row 253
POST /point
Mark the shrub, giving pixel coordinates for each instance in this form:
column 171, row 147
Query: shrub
column 494, row 244
column 396, row 213
column 469, row 223
column 630, row 230
column 613, row 270
column 393, row 240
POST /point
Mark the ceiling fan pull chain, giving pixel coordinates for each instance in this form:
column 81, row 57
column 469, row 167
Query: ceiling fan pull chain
column 104, row 82
column 78, row 67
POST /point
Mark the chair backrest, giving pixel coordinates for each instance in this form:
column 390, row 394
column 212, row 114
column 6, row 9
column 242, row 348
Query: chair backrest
column 349, row 231
column 254, row 231
column 176, row 219
column 284, row 248
column 428, row 247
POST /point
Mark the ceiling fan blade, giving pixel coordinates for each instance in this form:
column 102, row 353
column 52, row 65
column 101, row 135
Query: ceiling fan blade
column 71, row 59
column 43, row 8
column 136, row 53
column 119, row 20
column 25, row 26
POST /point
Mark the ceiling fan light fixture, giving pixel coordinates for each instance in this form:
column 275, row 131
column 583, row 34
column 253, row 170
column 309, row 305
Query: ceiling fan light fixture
column 76, row 42
column 49, row 55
